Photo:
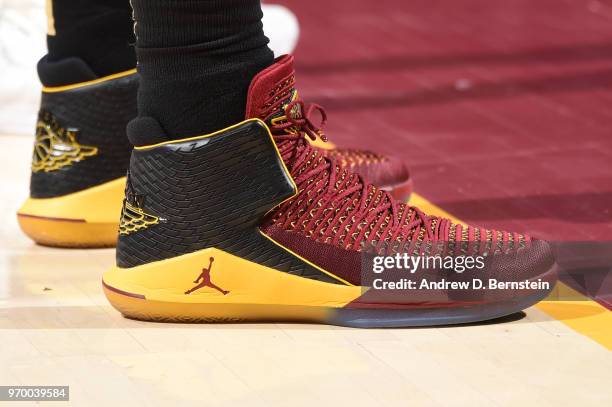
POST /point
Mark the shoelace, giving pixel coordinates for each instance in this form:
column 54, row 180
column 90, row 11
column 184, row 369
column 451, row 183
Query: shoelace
column 293, row 128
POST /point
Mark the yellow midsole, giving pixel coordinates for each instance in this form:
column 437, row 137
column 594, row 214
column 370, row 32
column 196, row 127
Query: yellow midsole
column 99, row 204
column 237, row 281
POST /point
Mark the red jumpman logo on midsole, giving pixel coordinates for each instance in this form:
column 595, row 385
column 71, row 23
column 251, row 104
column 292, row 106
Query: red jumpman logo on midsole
column 204, row 280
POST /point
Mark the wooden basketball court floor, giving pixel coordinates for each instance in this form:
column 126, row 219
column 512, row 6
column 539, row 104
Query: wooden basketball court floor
column 56, row 328
column 503, row 110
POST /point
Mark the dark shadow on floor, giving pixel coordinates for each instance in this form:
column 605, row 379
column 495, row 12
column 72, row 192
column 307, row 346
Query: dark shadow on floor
column 517, row 316
column 92, row 317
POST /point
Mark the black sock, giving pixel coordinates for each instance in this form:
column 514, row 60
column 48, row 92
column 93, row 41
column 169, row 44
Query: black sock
column 196, row 59
column 98, row 32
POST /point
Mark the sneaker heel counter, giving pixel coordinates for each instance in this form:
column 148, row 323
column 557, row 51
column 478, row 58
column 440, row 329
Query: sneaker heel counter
column 55, row 153
column 186, row 195
column 134, row 216
column 211, row 191
column 80, row 137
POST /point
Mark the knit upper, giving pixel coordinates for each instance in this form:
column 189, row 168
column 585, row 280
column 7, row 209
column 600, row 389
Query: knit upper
column 338, row 207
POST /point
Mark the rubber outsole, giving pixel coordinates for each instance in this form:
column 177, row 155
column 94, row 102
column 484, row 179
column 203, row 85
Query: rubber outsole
column 372, row 318
column 84, row 219
column 209, row 308
column 142, row 309
column 68, row 233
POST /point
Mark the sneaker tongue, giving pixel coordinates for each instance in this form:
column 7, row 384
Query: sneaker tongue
column 271, row 90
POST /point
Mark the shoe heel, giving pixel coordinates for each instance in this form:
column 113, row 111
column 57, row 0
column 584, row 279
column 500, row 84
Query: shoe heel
column 68, row 233
column 85, row 219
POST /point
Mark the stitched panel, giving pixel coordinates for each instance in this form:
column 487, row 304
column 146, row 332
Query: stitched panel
column 211, row 192
column 97, row 116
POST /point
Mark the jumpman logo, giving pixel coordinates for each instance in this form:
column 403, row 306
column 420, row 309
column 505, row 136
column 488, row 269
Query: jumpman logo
column 206, row 281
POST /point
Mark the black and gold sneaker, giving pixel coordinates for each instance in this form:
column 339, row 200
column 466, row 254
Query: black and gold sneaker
column 79, row 161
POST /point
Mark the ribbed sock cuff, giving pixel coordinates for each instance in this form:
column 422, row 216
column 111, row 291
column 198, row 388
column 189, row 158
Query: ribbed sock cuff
column 100, row 32
column 196, row 59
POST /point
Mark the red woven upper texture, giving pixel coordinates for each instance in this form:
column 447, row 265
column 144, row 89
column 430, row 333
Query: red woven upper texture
column 338, row 207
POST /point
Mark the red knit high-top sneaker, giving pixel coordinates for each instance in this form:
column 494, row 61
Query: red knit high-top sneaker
column 252, row 223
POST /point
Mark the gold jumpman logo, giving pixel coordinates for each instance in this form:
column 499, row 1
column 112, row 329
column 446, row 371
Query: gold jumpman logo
column 55, row 146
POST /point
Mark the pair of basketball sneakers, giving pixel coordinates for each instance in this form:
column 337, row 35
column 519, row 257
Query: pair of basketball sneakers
column 273, row 224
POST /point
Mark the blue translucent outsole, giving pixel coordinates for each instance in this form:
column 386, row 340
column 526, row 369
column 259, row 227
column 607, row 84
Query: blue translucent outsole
column 419, row 317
